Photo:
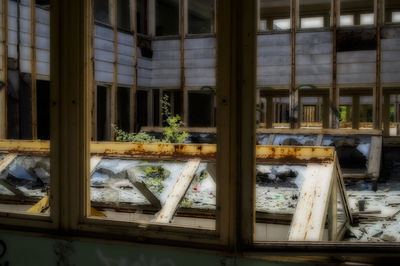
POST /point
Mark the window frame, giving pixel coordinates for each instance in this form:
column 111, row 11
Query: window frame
column 17, row 219
column 236, row 80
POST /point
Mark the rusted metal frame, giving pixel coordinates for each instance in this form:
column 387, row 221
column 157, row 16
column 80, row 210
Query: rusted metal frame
column 182, row 30
column 378, row 86
column 293, row 98
column 334, row 96
column 33, row 70
column 4, row 78
column 133, row 108
column 114, row 87
column 264, row 153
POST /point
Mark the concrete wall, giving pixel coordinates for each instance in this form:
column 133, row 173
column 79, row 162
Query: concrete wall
column 25, row 250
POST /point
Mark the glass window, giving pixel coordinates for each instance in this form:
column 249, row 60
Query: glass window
column 101, row 11
column 201, row 16
column 124, row 113
column 25, row 115
column 392, row 11
column 315, row 14
column 167, row 17
column 362, row 12
column 274, row 15
column 123, row 15
column 144, row 173
column 103, row 113
column 347, row 20
column 142, row 16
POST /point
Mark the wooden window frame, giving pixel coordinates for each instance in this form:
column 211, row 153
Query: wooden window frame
column 236, row 96
column 339, row 11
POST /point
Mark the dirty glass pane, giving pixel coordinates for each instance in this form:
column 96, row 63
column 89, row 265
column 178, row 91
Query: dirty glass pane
column 142, row 16
column 345, row 112
column 311, row 112
column 356, row 12
column 392, row 11
column 102, row 11
column 394, row 115
column 274, row 15
column 201, row 16
column 167, row 17
column 123, row 15
column 315, row 14
column 366, row 111
column 272, row 110
column 154, row 156
column 25, row 114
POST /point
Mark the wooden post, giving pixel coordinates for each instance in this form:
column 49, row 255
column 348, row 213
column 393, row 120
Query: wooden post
column 378, row 86
column 244, row 83
column 386, row 115
column 33, row 69
column 325, row 111
column 133, row 106
column 182, row 30
column 114, row 87
column 294, row 116
column 356, row 112
column 270, row 111
column 4, row 76
column 334, row 93
column 70, row 111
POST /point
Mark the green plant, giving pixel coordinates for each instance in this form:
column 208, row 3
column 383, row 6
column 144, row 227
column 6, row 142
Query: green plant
column 141, row 137
column 172, row 132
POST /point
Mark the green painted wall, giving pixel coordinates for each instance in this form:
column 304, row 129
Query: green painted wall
column 26, row 250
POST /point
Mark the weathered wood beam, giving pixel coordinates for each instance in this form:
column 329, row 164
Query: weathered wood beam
column 334, row 92
column 7, row 161
column 4, row 76
column 133, row 97
column 386, row 115
column 178, row 192
column 378, row 85
column 293, row 94
column 310, row 215
column 41, row 206
column 94, row 161
column 375, row 154
column 141, row 186
column 33, row 70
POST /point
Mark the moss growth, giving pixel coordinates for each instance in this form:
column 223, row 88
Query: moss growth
column 154, row 177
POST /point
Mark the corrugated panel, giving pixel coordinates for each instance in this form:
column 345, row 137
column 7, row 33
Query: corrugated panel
column 390, row 54
column 43, row 68
column 125, row 39
column 103, row 33
column 42, row 16
column 43, row 55
column 356, row 67
column 274, row 59
column 125, row 79
column 314, row 58
column 104, row 55
column 101, row 76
